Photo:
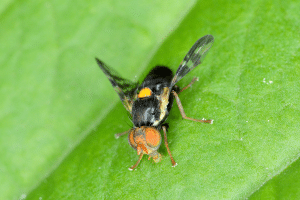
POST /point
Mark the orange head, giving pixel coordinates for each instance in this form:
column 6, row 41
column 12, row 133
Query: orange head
column 146, row 140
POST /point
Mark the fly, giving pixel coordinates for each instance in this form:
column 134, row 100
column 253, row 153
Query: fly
column 150, row 102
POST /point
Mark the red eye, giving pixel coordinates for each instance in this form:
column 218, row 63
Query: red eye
column 131, row 139
column 153, row 137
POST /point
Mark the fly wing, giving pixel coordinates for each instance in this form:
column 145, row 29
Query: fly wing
column 125, row 88
column 193, row 58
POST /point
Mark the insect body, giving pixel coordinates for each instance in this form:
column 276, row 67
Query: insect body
column 149, row 103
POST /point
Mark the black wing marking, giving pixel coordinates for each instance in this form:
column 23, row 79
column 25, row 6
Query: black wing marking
column 125, row 88
column 193, row 58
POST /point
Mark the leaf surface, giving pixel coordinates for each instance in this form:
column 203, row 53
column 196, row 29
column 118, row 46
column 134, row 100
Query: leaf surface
column 248, row 83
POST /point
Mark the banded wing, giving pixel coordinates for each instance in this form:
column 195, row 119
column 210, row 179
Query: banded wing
column 125, row 88
column 193, row 58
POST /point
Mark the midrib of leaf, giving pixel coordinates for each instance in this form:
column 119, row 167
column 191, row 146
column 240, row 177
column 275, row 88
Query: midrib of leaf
column 98, row 119
column 237, row 103
column 278, row 173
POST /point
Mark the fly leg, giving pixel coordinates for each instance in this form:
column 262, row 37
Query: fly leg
column 137, row 163
column 183, row 113
column 120, row 134
column 191, row 83
column 167, row 145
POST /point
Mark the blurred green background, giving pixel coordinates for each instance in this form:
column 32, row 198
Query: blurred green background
column 59, row 112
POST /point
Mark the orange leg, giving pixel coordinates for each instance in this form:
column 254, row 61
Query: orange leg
column 120, row 134
column 167, row 145
column 183, row 113
column 137, row 163
column 191, row 83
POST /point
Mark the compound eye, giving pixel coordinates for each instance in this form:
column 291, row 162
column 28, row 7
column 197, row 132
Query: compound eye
column 131, row 139
column 153, row 137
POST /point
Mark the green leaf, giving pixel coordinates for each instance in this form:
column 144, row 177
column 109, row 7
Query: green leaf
column 283, row 186
column 52, row 92
column 248, row 84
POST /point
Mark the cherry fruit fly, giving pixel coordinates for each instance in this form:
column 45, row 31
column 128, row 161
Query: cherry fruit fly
column 150, row 103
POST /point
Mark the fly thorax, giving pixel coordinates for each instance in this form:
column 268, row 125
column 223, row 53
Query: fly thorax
column 163, row 99
column 145, row 111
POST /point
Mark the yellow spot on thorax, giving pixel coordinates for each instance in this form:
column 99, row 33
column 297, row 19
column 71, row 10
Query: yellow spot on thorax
column 145, row 92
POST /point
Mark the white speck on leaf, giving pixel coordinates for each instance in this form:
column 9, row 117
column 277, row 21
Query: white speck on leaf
column 267, row 82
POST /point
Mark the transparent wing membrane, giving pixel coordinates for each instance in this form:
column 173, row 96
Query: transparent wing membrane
column 193, row 58
column 125, row 88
